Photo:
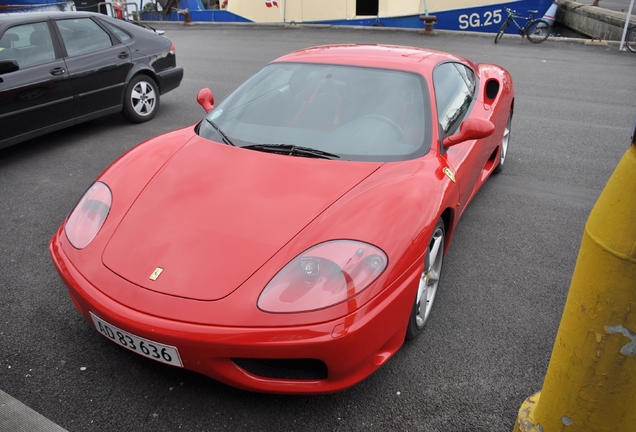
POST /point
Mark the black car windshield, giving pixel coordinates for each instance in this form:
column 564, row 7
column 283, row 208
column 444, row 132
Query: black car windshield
column 356, row 113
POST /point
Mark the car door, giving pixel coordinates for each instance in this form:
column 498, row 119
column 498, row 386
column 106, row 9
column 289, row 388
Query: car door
column 455, row 91
column 37, row 97
column 98, row 64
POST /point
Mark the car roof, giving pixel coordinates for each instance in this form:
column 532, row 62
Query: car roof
column 18, row 17
column 373, row 55
column 10, row 19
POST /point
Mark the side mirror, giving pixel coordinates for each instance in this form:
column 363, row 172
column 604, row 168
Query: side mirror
column 206, row 99
column 470, row 129
column 7, row 66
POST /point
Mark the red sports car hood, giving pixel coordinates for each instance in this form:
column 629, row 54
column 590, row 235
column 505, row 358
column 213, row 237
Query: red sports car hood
column 214, row 214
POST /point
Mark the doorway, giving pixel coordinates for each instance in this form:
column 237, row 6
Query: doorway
column 367, row 7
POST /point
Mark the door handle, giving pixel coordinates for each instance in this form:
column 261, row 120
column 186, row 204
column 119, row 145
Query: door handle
column 122, row 55
column 58, row 71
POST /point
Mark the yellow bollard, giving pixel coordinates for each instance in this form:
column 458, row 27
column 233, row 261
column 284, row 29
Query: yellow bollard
column 590, row 384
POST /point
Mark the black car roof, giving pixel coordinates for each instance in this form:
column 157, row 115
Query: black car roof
column 12, row 18
column 34, row 16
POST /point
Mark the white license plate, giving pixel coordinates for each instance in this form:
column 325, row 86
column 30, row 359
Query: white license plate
column 142, row 346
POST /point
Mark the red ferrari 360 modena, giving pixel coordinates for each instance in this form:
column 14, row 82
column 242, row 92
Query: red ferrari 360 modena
column 293, row 239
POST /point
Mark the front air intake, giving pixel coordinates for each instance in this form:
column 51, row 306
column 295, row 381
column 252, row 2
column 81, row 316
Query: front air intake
column 297, row 369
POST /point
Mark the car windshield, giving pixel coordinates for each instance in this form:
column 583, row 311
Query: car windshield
column 351, row 113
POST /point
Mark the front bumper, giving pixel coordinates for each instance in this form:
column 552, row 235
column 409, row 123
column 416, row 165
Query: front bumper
column 308, row 359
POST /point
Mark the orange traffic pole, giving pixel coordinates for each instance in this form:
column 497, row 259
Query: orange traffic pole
column 590, row 384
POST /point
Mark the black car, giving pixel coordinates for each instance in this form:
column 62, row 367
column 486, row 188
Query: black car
column 58, row 69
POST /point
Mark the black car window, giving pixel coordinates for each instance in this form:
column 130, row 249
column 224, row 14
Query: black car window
column 28, row 44
column 122, row 35
column 454, row 93
column 82, row 35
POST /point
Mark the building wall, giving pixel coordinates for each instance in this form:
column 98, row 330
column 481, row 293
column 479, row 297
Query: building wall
column 319, row 10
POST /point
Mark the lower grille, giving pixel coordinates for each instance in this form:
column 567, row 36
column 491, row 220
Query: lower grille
column 300, row 369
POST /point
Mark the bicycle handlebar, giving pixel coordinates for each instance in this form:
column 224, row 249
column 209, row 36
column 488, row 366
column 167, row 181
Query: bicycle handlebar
column 512, row 12
column 516, row 14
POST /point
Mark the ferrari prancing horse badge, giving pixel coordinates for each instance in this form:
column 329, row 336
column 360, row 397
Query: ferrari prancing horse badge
column 155, row 274
column 449, row 174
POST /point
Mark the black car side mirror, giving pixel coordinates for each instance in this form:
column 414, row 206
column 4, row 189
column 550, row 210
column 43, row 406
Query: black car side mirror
column 7, row 66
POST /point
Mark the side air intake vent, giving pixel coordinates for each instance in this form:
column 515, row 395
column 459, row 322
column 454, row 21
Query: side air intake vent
column 492, row 89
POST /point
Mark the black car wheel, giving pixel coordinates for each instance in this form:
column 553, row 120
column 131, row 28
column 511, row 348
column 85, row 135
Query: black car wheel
column 141, row 100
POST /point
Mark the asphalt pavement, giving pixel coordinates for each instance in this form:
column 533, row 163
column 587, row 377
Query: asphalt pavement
column 488, row 341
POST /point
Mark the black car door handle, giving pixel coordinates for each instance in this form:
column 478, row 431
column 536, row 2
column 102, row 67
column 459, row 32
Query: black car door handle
column 123, row 55
column 58, row 71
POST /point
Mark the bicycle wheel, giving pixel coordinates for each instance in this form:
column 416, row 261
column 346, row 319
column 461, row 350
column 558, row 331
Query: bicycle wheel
column 537, row 30
column 501, row 32
column 630, row 39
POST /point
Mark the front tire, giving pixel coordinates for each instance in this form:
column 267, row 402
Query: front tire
column 505, row 140
column 630, row 39
column 429, row 281
column 501, row 32
column 141, row 100
column 537, row 30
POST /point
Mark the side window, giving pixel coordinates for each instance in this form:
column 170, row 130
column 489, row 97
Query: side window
column 28, row 44
column 82, row 35
column 455, row 87
column 469, row 77
column 122, row 35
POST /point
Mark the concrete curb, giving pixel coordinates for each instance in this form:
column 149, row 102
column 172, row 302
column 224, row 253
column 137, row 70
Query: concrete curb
column 17, row 417
column 160, row 25
column 593, row 21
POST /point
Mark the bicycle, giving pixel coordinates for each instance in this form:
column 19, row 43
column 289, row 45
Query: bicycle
column 630, row 39
column 536, row 30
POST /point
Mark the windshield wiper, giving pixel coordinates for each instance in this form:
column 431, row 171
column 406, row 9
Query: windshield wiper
column 292, row 150
column 216, row 127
